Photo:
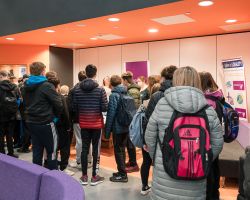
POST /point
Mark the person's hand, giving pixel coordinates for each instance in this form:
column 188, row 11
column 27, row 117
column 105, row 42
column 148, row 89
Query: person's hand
column 145, row 147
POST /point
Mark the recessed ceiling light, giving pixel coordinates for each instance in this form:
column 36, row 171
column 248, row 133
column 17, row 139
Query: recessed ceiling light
column 94, row 38
column 53, row 44
column 81, row 25
column 206, row 3
column 50, row 31
column 153, row 30
column 231, row 21
column 188, row 13
column 114, row 19
column 9, row 38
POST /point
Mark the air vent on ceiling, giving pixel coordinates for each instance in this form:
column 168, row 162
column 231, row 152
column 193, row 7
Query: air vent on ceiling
column 175, row 19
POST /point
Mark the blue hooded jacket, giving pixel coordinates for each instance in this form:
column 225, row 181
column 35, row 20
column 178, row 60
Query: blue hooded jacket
column 112, row 124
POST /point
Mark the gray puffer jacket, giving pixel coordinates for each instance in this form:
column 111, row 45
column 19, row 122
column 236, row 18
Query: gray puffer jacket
column 186, row 100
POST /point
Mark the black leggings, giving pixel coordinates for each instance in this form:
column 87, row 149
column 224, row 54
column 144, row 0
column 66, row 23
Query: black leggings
column 146, row 164
column 213, row 181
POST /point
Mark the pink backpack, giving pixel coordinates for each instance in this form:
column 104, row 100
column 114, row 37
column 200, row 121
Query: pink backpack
column 186, row 148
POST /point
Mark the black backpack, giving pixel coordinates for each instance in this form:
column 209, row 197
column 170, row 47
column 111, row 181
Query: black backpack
column 9, row 106
column 126, row 110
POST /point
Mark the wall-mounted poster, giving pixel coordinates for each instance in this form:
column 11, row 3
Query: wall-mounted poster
column 235, row 85
column 138, row 68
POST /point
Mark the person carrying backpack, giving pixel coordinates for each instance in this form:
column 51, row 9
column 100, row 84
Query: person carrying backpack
column 180, row 170
column 120, row 132
column 213, row 94
column 134, row 91
column 8, row 107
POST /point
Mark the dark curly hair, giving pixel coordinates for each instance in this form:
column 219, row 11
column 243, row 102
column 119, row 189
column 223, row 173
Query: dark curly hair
column 168, row 72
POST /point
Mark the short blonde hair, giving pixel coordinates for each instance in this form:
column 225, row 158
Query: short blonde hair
column 187, row 76
column 64, row 90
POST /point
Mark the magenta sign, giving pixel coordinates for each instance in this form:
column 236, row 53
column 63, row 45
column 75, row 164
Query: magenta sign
column 238, row 85
column 242, row 112
column 138, row 68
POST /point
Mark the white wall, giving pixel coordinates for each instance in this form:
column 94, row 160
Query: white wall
column 110, row 60
column 162, row 54
column 199, row 53
column 203, row 53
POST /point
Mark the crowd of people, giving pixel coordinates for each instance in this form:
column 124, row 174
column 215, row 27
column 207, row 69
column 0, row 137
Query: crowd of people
column 49, row 115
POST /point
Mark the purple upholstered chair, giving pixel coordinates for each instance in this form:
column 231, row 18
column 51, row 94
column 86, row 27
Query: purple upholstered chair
column 19, row 180
column 56, row 185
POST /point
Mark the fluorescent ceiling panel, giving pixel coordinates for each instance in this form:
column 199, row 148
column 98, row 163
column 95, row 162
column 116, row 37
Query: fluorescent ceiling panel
column 175, row 19
column 109, row 37
column 236, row 27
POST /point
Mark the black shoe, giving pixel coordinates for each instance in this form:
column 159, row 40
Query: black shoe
column 118, row 177
column 13, row 155
column 22, row 150
column 145, row 190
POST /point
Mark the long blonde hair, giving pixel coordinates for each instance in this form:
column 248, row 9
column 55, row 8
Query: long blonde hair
column 187, row 76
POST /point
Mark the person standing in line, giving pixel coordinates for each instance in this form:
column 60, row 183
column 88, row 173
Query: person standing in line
column 120, row 133
column 106, row 86
column 63, row 127
column 166, row 77
column 75, row 120
column 212, row 94
column 134, row 91
column 26, row 139
column 145, row 93
column 185, row 97
column 9, row 108
column 89, row 101
column 42, row 105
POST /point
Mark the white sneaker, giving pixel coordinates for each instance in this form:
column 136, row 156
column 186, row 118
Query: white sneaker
column 75, row 165
column 68, row 172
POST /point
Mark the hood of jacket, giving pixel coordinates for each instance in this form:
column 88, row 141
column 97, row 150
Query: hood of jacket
column 6, row 85
column 218, row 94
column 185, row 99
column 134, row 85
column 165, row 85
column 33, row 82
column 119, row 89
column 88, row 85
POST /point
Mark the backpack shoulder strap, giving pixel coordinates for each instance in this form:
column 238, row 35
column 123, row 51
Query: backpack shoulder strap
column 203, row 110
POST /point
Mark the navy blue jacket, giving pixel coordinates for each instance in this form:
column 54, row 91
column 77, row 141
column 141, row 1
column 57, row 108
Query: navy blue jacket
column 89, row 101
column 112, row 124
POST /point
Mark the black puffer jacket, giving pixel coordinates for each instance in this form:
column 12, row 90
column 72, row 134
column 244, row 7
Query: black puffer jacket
column 7, row 86
column 42, row 102
column 154, row 100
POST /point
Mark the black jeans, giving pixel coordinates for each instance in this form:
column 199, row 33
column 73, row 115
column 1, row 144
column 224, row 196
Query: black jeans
column 90, row 136
column 44, row 137
column 26, row 139
column 63, row 146
column 131, row 153
column 145, row 167
column 7, row 129
column 120, row 141
column 213, row 181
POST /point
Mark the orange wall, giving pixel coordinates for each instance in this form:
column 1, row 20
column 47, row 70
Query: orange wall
column 24, row 54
